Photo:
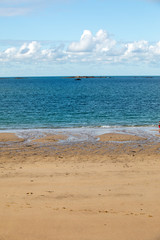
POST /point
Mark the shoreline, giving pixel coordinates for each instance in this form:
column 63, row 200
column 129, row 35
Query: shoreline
column 87, row 134
column 50, row 147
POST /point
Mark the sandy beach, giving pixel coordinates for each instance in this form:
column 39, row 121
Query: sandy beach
column 102, row 190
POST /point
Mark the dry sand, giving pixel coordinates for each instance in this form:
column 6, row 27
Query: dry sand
column 106, row 190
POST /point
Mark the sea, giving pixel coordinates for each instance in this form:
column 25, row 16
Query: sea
column 32, row 106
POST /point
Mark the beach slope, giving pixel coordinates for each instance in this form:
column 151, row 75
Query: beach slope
column 107, row 190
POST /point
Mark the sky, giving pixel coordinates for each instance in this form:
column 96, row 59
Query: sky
column 79, row 37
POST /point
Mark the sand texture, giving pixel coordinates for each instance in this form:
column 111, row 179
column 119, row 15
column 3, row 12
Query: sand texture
column 9, row 137
column 118, row 137
column 104, row 190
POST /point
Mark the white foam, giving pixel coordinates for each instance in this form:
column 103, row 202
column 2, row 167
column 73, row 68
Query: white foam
column 87, row 133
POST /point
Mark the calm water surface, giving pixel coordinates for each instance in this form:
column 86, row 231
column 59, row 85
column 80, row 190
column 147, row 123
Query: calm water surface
column 59, row 102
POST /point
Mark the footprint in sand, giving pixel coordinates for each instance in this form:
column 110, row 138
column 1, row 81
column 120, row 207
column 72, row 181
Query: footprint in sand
column 29, row 193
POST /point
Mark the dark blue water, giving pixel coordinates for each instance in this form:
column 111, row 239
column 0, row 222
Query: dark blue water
column 58, row 102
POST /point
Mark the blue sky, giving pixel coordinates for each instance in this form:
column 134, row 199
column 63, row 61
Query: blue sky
column 79, row 37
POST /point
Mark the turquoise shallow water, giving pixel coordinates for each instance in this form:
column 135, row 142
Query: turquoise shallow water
column 59, row 102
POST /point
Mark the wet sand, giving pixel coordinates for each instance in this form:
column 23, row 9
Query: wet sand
column 102, row 190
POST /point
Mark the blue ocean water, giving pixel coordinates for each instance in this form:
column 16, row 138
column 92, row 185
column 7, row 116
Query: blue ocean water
column 61, row 102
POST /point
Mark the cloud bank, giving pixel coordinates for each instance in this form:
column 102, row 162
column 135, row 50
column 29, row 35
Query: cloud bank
column 98, row 48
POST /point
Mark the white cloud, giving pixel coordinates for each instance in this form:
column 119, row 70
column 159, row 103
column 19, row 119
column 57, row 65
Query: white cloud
column 103, row 43
column 84, row 45
column 141, row 51
column 32, row 52
column 155, row 49
column 29, row 49
column 98, row 48
column 100, row 42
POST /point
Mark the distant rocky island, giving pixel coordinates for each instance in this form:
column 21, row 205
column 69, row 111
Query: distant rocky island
column 82, row 77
